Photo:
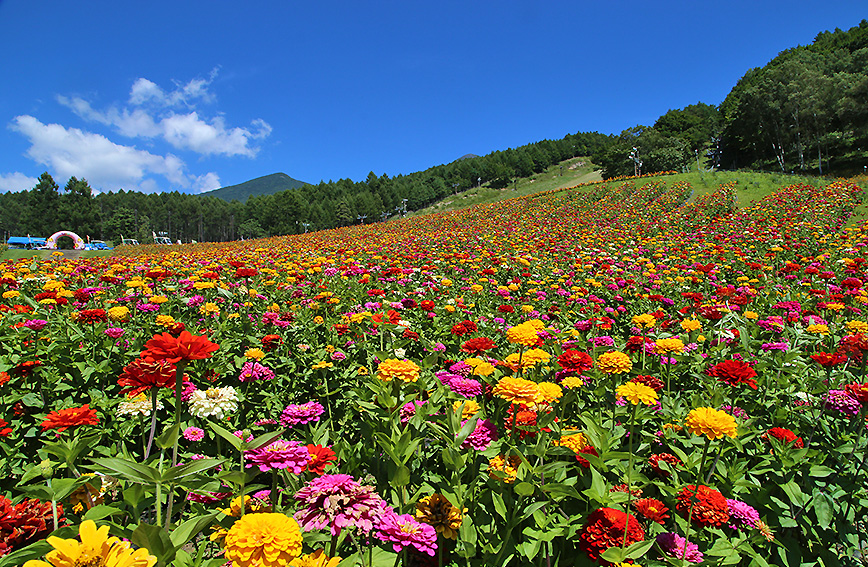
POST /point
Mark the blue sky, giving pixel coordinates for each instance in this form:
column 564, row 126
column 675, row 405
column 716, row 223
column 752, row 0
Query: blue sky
column 192, row 95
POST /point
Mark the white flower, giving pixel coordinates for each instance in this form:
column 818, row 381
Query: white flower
column 140, row 405
column 400, row 353
column 213, row 402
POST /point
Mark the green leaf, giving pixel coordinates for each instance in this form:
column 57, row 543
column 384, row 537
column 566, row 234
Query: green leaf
column 524, row 489
column 466, row 430
column 101, row 511
column 175, row 473
column 614, row 555
column 34, row 551
column 156, row 541
column 820, row 471
column 822, row 508
column 169, row 437
column 227, row 435
column 130, row 470
column 638, row 549
column 188, row 530
column 401, row 476
column 386, row 444
column 263, row 440
column 499, row 506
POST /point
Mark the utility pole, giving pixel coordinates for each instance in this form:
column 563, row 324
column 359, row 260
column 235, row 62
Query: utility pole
column 362, row 218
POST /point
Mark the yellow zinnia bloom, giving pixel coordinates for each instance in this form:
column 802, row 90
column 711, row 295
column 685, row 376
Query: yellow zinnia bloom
column 548, row 392
column 690, row 325
column 614, row 362
column 637, row 393
column 263, row 540
column 645, row 320
column 256, row 353
column 710, row 422
column 405, row 370
column 315, row 559
column 439, row 513
column 516, row 390
column 471, row 408
column 120, row 313
column 664, row 346
column 95, row 548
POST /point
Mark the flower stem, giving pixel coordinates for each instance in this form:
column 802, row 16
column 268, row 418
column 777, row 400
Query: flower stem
column 629, row 474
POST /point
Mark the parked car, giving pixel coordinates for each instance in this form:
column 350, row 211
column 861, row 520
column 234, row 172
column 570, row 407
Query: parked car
column 129, row 242
column 97, row 245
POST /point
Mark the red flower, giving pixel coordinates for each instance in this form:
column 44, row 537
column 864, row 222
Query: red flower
column 652, row 382
column 4, row 377
column 709, row 505
column 62, row 420
column 25, row 369
column 785, row 436
column 236, row 264
column 506, row 308
column 853, row 346
column 143, row 374
column 477, row 345
column 576, row 360
column 92, row 316
column 669, row 458
column 271, row 342
column 605, row 528
column 828, row 359
column 635, row 343
column 175, row 349
column 24, row 523
column 412, row 335
column 320, row 458
column 734, row 372
column 427, row 305
column 4, row 431
column 245, row 272
column 586, row 450
column 652, row 509
column 858, row 391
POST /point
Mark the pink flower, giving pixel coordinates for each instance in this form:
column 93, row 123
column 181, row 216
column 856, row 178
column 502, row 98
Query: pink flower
column 482, row 436
column 296, row 414
column 115, row 332
column 337, row 501
column 674, row 545
column 35, row 324
column 194, row 434
column 403, row 530
column 280, row 454
column 252, row 371
column 466, row 387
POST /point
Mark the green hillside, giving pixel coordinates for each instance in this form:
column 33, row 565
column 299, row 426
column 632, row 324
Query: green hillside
column 266, row 185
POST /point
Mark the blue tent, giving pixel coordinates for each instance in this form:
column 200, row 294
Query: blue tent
column 25, row 242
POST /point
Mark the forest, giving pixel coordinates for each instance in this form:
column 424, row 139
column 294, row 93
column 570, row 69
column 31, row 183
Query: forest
column 806, row 111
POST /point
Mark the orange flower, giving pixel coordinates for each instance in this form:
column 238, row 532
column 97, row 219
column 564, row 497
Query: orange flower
column 62, row 420
column 185, row 346
column 143, row 374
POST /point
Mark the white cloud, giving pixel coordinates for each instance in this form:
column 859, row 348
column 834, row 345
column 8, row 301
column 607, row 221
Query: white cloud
column 12, row 182
column 73, row 152
column 206, row 182
column 149, row 117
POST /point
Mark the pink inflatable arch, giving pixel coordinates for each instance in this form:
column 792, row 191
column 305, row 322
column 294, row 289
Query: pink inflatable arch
column 51, row 241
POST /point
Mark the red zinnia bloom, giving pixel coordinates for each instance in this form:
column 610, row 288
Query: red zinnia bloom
column 734, row 372
column 635, row 343
column 320, row 458
column 477, row 345
column 245, row 272
column 576, row 360
column 709, row 505
column 458, row 330
column 26, row 368
column 858, row 391
column 66, row 418
column 412, row 335
column 4, row 377
column 586, row 450
column 92, row 316
column 177, row 328
column 853, row 346
column 652, row 382
column 24, row 523
column 143, row 374
column 4, row 431
column 186, row 347
column 784, row 435
column 652, row 509
column 271, row 342
column 669, row 458
column 427, row 305
column 828, row 359
column 236, row 264
column 506, row 308
column 605, row 528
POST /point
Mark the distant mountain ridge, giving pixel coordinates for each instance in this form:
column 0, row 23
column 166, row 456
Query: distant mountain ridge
column 265, row 185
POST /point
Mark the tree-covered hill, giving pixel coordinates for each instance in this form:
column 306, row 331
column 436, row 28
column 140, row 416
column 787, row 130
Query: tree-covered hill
column 265, row 185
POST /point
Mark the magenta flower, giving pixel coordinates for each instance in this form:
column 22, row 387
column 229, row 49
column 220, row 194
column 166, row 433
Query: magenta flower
column 408, row 410
column 466, row 387
column 252, row 371
column 194, row 434
column 280, row 454
column 35, row 324
column 403, row 530
column 842, row 401
column 337, row 501
column 674, row 545
column 481, row 437
column 295, row 414
column 742, row 515
column 115, row 332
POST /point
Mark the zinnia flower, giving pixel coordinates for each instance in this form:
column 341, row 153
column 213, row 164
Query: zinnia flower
column 280, row 454
column 338, row 501
column 185, row 346
column 614, row 362
column 637, row 393
column 215, row 402
column 516, row 390
column 576, row 361
column 194, row 434
column 299, row 414
column 141, row 375
column 263, row 540
column 605, row 528
column 61, row 420
column 24, row 523
column 95, row 549
column 706, row 506
column 652, row 509
column 403, row 530
column 438, row 512
column 316, row 559
column 405, row 370
column 252, row 371
column 482, row 435
column 525, row 334
column 742, row 515
column 734, row 372
column 320, row 458
column 711, row 422
column 500, row 468
column 677, row 547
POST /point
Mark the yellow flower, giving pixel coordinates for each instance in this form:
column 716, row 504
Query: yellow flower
column 664, row 346
column 11, row 294
column 710, row 422
column 439, row 513
column 315, row 559
column 204, row 285
column 507, row 469
column 571, row 382
column 636, row 393
column 362, row 371
column 645, row 320
column 614, row 362
column 471, row 408
column 818, row 330
column 256, row 353
column 516, row 390
column 96, row 549
column 751, row 315
column 392, row 368
column 480, row 367
column 87, row 495
column 158, row 299
column 836, row 307
column 165, row 320
column 318, row 320
column 120, row 313
column 251, row 506
column 548, row 392
column 263, row 540
column 322, row 364
column 690, row 325
column 523, row 334
column 575, row 442
column 857, row 326
column 209, row 308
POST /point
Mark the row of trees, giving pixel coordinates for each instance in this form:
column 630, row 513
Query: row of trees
column 109, row 216
column 806, row 110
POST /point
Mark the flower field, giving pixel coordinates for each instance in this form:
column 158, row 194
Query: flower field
column 610, row 374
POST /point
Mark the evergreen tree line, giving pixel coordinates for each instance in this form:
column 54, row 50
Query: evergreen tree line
column 47, row 208
column 805, row 111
